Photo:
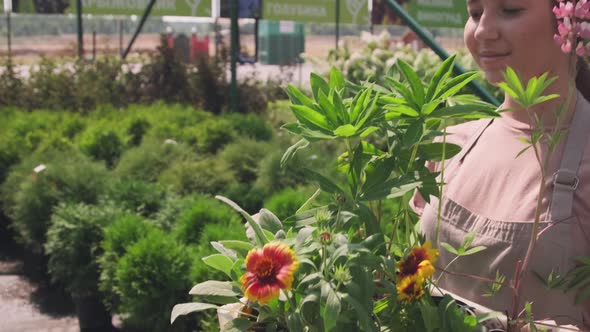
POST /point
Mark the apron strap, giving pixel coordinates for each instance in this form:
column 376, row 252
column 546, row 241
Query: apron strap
column 565, row 179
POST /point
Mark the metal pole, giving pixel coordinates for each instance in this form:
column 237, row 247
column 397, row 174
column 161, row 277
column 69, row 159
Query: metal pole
column 9, row 36
column 256, row 27
column 337, row 23
column 121, row 37
column 146, row 13
column 93, row 45
column 412, row 24
column 80, row 30
column 234, row 50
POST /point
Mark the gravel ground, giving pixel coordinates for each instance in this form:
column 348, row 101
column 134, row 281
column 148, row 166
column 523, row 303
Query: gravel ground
column 17, row 311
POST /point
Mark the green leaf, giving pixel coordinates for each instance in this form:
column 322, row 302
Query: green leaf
column 308, row 134
column 325, row 184
column 340, row 109
column 261, row 238
column 430, row 107
column 241, row 247
column 440, row 76
column 214, row 288
column 414, row 81
column 465, row 112
column 397, row 110
column 531, row 89
column 434, row 151
column 389, row 99
column 310, row 305
column 390, row 189
column 237, row 325
column 413, row 134
column 329, row 109
column 219, row 262
column 297, row 97
column 474, row 250
column 294, row 322
column 543, row 99
column 449, row 248
column 318, row 84
column 310, row 117
column 357, row 105
column 347, row 130
column 468, row 239
column 368, row 113
column 508, row 89
column 187, row 308
column 368, row 131
column 269, row 222
column 456, row 84
column 402, row 90
column 378, row 172
column 290, row 152
column 331, row 311
column 224, row 251
column 430, row 316
column 337, row 80
column 367, row 323
column 514, row 82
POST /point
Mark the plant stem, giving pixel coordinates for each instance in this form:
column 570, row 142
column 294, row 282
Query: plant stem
column 470, row 276
column 442, row 182
column 412, row 157
column 521, row 272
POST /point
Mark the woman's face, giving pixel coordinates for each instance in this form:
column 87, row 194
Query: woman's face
column 515, row 33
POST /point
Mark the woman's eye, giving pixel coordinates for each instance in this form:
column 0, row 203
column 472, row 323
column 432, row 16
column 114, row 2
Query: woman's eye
column 512, row 11
column 475, row 15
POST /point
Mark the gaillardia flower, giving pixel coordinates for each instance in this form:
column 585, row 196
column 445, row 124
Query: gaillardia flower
column 419, row 262
column 410, row 288
column 269, row 270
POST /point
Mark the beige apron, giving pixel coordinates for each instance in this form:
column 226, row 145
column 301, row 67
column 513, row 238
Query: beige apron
column 507, row 242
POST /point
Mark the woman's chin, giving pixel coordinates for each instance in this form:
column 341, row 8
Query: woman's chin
column 494, row 77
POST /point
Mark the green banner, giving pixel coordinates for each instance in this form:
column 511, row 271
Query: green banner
column 439, row 13
column 320, row 11
column 198, row 8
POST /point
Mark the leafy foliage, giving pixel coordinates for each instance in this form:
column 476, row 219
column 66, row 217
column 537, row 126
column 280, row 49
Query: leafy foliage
column 340, row 246
column 73, row 240
column 150, row 278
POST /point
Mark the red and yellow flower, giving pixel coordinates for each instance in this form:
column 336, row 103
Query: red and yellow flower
column 414, row 270
column 410, row 288
column 269, row 270
column 419, row 262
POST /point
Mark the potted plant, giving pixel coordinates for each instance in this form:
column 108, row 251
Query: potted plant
column 72, row 245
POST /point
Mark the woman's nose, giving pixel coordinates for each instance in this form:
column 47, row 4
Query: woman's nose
column 487, row 27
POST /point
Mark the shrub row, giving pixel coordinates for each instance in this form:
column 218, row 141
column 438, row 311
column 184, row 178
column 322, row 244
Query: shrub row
column 126, row 214
column 82, row 86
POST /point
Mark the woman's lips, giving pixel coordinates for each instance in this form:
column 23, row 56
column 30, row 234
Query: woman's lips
column 489, row 60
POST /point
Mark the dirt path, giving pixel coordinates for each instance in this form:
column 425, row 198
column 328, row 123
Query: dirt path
column 21, row 302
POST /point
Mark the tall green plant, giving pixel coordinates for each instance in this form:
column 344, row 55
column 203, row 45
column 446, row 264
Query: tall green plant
column 342, row 258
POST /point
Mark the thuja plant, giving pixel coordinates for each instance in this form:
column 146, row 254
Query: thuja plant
column 342, row 266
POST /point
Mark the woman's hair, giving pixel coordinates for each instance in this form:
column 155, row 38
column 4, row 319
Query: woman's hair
column 583, row 78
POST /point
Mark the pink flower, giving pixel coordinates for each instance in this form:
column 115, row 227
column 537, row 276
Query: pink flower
column 584, row 30
column 563, row 10
column 572, row 28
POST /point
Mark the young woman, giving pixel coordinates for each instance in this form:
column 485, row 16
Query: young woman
column 491, row 192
